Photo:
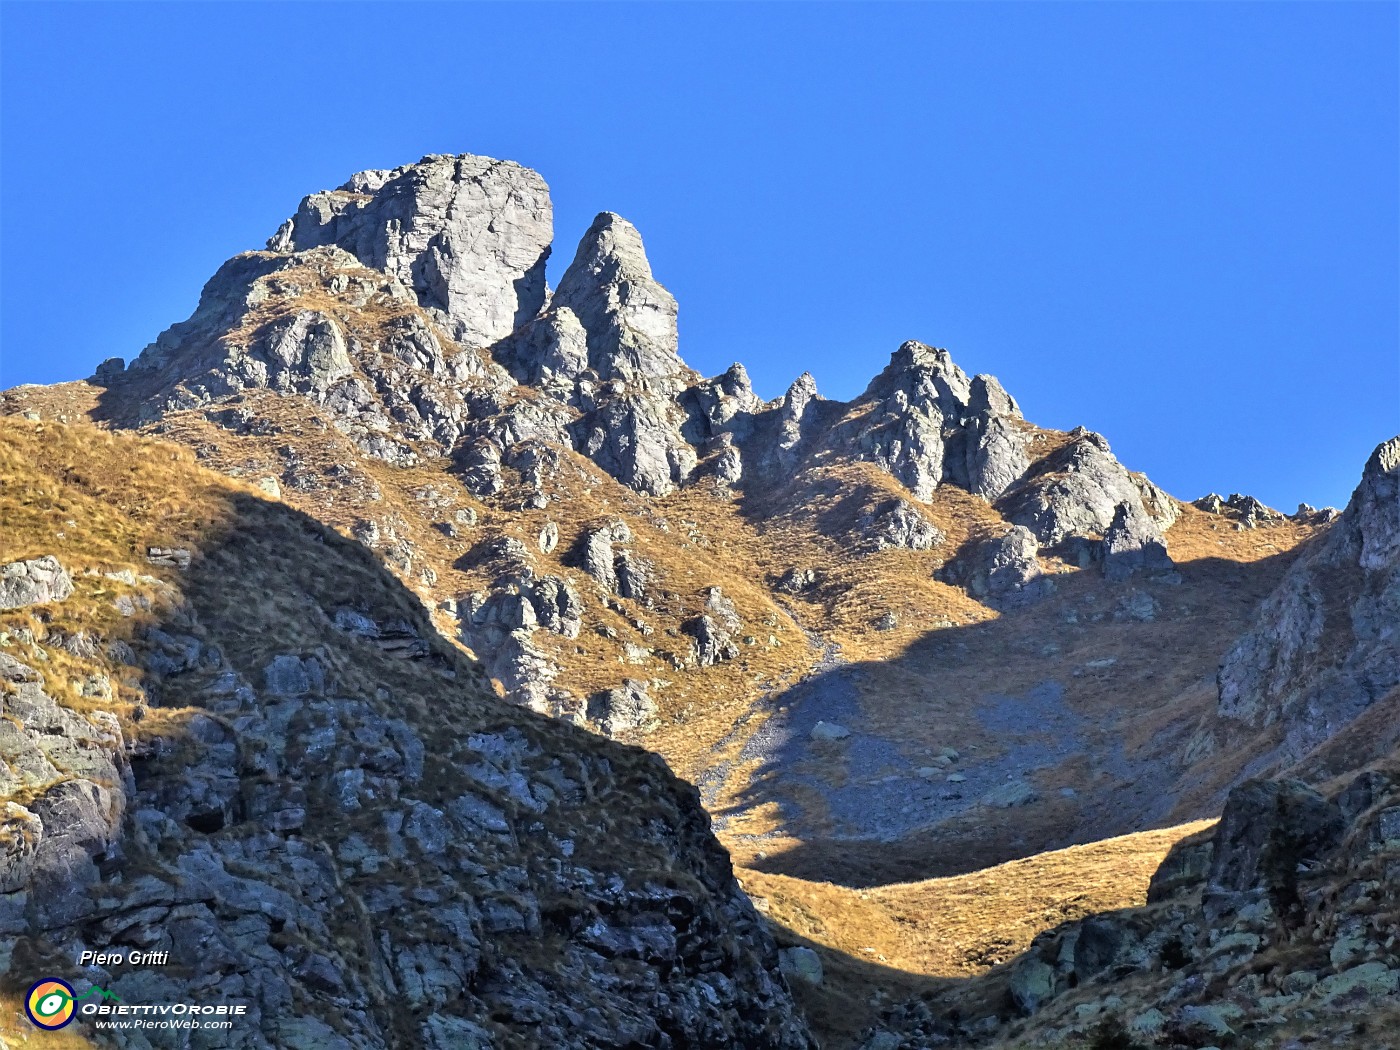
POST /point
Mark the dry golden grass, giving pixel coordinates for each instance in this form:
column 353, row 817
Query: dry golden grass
column 964, row 925
column 17, row 1030
column 884, row 942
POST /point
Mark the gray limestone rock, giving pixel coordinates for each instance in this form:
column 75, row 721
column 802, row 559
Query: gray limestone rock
column 469, row 235
column 1076, row 492
column 796, row 581
column 909, row 403
column 550, row 352
column 1185, row 868
column 723, row 610
column 897, row 524
column 624, row 709
column 996, row 456
column 724, row 405
column 597, row 557
column 711, row 643
column 290, row 675
column 1252, row 513
column 793, row 413
column 1347, row 586
column 628, row 318
column 633, row 575
column 802, row 965
column 1132, row 544
column 999, row 566
column 636, row 438
column 38, row 581
column 617, row 570
column 1268, row 829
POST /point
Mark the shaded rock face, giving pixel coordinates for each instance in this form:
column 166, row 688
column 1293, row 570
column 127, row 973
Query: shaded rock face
column 326, row 818
column 1002, row 568
column 1288, row 876
column 1342, row 596
column 469, row 235
column 1132, row 544
column 1269, row 829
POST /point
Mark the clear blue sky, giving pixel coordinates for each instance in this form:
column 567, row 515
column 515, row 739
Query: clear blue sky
column 1172, row 223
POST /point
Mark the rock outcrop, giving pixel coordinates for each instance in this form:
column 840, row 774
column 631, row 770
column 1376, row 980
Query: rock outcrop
column 1002, row 568
column 34, row 582
column 468, row 235
column 1325, row 647
column 314, row 804
column 625, row 709
column 1076, row 492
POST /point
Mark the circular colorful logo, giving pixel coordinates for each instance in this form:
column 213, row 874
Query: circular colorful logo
column 50, row 1003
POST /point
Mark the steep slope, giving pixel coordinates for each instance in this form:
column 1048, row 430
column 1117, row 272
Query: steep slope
column 1326, row 646
column 1275, row 931
column 1284, row 921
column 673, row 560
column 230, row 735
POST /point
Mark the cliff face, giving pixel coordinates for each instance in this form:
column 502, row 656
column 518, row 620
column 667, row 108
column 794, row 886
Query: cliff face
column 1326, row 646
column 231, row 736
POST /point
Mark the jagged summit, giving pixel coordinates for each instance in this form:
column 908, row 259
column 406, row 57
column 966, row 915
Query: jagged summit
column 411, row 304
column 469, row 235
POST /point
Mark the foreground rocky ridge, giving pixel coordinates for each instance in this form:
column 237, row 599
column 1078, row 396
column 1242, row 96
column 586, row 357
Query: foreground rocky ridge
column 283, row 777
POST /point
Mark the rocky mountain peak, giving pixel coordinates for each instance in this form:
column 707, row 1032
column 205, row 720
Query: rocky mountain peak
column 628, row 317
column 926, row 375
column 1377, row 508
column 469, row 235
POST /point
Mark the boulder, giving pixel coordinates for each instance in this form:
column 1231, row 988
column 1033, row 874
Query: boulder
column 897, row 524
column 711, row 644
column 624, row 709
column 38, row 581
column 801, row 966
column 1033, row 982
column 1268, row 832
column 829, row 731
